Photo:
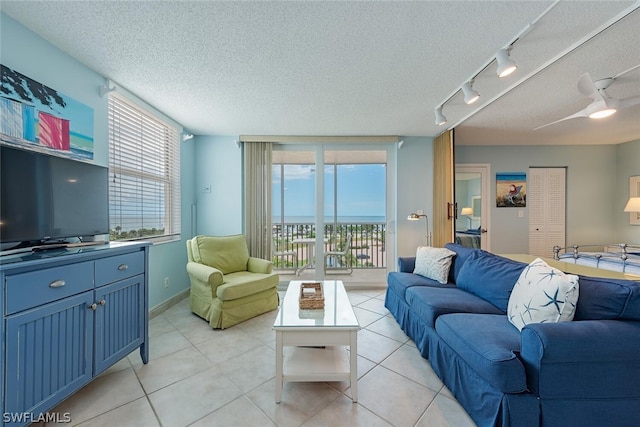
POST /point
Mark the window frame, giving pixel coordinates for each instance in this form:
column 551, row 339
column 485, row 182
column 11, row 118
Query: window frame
column 144, row 149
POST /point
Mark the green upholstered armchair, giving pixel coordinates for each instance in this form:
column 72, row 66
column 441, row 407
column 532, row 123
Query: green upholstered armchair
column 227, row 285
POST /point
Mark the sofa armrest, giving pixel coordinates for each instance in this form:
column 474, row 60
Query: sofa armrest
column 259, row 265
column 206, row 274
column 598, row 359
column 406, row 264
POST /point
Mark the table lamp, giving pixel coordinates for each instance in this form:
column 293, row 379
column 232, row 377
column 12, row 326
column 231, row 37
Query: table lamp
column 468, row 212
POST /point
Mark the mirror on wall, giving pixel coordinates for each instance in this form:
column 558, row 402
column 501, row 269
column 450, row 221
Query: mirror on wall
column 469, row 202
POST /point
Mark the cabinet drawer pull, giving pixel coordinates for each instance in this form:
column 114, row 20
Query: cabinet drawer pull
column 123, row 267
column 57, row 284
column 93, row 306
column 102, row 302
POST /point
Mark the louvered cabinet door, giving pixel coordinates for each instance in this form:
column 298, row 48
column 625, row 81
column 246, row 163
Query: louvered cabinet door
column 546, row 200
column 120, row 320
column 49, row 354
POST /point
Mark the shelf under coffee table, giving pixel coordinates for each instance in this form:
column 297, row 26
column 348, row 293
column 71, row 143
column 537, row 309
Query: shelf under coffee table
column 311, row 345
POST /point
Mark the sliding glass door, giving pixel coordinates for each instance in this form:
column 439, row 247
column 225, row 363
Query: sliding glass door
column 333, row 224
column 293, row 210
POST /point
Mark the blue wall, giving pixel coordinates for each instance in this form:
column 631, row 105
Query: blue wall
column 595, row 173
column 219, row 167
column 627, row 165
column 31, row 55
column 597, row 190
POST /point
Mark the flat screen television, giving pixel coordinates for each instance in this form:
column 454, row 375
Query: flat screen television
column 48, row 199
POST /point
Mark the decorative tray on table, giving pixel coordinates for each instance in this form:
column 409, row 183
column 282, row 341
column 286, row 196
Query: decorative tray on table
column 311, row 296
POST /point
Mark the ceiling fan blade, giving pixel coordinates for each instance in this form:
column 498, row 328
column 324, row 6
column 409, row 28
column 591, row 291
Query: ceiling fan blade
column 587, row 87
column 629, row 102
column 581, row 113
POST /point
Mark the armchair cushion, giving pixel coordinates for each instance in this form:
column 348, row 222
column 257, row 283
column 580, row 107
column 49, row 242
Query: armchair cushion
column 244, row 283
column 228, row 254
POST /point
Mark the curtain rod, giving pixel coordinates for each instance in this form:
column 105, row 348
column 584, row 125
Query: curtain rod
column 288, row 139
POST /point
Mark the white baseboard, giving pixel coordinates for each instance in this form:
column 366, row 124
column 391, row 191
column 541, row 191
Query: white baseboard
column 164, row 306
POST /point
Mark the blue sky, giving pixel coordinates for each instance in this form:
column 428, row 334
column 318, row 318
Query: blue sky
column 361, row 190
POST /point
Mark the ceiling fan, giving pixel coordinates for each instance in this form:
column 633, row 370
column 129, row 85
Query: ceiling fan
column 602, row 105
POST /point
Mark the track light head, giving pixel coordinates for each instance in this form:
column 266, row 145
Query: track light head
column 470, row 95
column 107, row 88
column 440, row 118
column 506, row 65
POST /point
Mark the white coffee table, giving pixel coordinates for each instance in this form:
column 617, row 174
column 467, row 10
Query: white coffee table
column 316, row 341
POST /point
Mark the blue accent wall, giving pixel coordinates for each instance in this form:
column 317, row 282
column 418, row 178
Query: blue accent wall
column 627, row 165
column 218, row 185
column 597, row 190
column 212, row 173
column 35, row 57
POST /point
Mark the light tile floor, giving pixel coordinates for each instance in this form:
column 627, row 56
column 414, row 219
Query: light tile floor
column 198, row 376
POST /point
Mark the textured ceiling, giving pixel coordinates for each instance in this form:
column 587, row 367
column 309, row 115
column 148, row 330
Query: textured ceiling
column 356, row 68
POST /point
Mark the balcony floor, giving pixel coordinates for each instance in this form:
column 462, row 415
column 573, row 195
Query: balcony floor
column 365, row 278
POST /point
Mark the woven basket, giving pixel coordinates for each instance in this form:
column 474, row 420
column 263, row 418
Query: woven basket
column 311, row 300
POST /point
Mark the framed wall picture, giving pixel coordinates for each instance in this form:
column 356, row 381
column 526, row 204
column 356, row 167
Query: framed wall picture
column 634, row 191
column 37, row 117
column 511, row 189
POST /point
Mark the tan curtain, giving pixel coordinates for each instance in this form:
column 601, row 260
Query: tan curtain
column 257, row 190
column 443, row 182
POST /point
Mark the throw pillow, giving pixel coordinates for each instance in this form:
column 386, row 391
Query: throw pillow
column 542, row 294
column 433, row 263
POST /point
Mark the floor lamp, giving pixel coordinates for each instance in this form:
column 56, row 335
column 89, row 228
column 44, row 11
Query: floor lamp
column 416, row 217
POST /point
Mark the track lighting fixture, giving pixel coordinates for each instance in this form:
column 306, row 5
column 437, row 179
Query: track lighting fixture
column 107, row 88
column 506, row 65
column 470, row 95
column 440, row 118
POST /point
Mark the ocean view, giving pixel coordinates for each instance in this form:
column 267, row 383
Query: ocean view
column 329, row 220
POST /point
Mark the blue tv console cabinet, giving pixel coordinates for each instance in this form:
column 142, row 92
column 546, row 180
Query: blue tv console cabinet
column 68, row 315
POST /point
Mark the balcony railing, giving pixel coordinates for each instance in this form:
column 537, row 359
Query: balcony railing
column 366, row 251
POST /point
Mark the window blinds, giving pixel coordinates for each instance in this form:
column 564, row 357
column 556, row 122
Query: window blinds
column 144, row 173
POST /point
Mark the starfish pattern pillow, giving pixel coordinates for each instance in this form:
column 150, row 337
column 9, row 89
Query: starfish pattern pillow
column 543, row 294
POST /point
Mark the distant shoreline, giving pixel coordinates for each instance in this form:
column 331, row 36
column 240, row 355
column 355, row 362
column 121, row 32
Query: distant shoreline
column 329, row 220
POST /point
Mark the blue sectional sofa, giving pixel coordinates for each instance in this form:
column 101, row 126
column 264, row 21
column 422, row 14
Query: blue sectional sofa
column 585, row 372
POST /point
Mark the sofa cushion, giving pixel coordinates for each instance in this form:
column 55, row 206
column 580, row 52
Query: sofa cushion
column 489, row 344
column 542, row 294
column 433, row 263
column 489, row 276
column 430, row 302
column 400, row 282
column 462, row 253
column 228, row 254
column 602, row 299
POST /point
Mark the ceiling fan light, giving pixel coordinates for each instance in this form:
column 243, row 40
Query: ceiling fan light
column 602, row 113
column 470, row 95
column 602, row 108
column 440, row 118
column 506, row 65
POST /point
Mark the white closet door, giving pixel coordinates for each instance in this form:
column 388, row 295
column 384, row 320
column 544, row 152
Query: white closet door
column 546, row 199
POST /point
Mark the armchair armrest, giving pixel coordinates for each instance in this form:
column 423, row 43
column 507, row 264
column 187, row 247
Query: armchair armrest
column 406, row 264
column 206, row 274
column 259, row 265
column 582, row 359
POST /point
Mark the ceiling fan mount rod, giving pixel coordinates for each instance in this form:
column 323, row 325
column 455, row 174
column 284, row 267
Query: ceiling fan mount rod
column 603, row 83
